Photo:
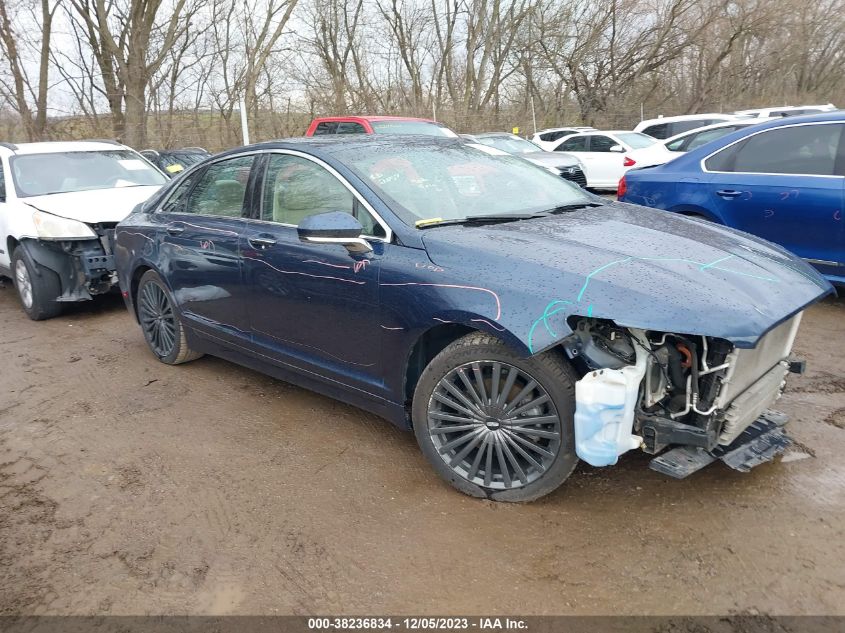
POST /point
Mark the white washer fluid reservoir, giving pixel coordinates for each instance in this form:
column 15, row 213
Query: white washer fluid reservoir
column 605, row 401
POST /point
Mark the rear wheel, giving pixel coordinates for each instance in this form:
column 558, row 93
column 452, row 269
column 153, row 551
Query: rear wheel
column 496, row 425
column 160, row 323
column 38, row 287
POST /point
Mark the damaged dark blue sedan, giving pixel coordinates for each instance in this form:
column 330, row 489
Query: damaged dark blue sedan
column 513, row 320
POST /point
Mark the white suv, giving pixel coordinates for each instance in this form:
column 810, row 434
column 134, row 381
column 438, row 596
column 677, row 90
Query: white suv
column 59, row 204
column 668, row 126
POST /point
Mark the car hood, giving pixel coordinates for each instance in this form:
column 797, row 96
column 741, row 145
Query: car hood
column 551, row 159
column 92, row 207
column 639, row 267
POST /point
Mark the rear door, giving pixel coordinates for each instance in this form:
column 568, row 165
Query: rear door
column 202, row 224
column 786, row 184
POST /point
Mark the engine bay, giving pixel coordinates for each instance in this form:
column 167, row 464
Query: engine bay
column 691, row 390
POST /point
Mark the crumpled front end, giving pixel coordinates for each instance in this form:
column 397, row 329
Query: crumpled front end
column 699, row 396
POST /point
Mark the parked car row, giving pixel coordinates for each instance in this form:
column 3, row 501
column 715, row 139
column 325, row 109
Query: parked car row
column 782, row 180
column 513, row 320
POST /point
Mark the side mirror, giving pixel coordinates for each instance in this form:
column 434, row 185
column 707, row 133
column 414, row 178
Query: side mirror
column 617, row 148
column 335, row 227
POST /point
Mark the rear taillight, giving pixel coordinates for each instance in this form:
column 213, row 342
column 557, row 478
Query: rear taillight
column 621, row 189
column 628, row 162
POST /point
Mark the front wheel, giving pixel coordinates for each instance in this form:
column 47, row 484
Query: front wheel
column 163, row 330
column 38, row 287
column 496, row 425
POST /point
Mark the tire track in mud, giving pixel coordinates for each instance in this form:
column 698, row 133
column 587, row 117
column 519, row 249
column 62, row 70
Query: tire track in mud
column 213, row 489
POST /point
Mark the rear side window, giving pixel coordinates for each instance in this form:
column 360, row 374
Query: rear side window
column 601, row 143
column 574, row 144
column 2, row 184
column 558, row 134
column 661, row 130
column 175, row 202
column 326, row 127
column 350, row 128
column 221, row 189
column 803, row 149
column 679, row 127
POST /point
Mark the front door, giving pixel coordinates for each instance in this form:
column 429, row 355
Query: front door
column 314, row 306
column 202, row 225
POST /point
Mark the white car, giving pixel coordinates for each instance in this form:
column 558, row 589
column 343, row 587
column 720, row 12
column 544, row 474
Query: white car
column 59, row 204
column 668, row 126
column 664, row 151
column 786, row 111
column 603, row 154
column 547, row 139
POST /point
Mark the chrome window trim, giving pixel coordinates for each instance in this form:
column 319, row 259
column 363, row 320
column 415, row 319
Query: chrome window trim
column 766, row 173
column 161, row 204
column 387, row 239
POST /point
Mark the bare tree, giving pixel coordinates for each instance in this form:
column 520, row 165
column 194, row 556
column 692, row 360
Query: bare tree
column 21, row 91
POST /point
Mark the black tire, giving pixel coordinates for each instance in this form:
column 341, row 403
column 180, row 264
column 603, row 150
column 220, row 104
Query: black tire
column 38, row 287
column 482, row 353
column 160, row 322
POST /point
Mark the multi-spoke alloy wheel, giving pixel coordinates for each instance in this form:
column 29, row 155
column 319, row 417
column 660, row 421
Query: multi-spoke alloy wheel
column 160, row 322
column 157, row 319
column 494, row 424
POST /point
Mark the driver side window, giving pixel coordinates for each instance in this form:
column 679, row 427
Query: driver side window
column 601, row 143
column 295, row 187
column 574, row 144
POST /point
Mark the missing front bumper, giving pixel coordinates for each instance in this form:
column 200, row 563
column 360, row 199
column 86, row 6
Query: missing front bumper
column 761, row 442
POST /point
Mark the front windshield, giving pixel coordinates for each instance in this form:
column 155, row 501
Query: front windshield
column 427, row 181
column 509, row 144
column 427, row 128
column 635, row 140
column 63, row 172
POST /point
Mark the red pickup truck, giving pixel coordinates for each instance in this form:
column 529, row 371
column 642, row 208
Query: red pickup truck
column 376, row 125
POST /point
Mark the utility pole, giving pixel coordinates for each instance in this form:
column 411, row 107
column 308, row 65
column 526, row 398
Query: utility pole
column 244, row 126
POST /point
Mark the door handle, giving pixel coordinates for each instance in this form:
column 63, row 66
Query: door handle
column 729, row 193
column 175, row 229
column 261, row 241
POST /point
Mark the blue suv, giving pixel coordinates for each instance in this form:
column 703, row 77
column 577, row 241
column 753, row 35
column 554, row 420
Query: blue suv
column 783, row 180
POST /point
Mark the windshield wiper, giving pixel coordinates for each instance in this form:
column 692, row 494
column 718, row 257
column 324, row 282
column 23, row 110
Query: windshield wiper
column 478, row 219
column 569, row 207
column 504, row 217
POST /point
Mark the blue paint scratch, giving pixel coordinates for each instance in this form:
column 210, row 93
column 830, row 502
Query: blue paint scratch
column 702, row 266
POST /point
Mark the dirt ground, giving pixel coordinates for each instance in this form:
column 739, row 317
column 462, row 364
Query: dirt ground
column 131, row 487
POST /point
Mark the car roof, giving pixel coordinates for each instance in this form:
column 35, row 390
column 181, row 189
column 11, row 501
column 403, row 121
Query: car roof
column 48, row 147
column 371, row 117
column 686, row 117
column 331, row 144
column 715, row 126
column 826, row 106
column 497, row 134
column 594, row 132
column 565, row 127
